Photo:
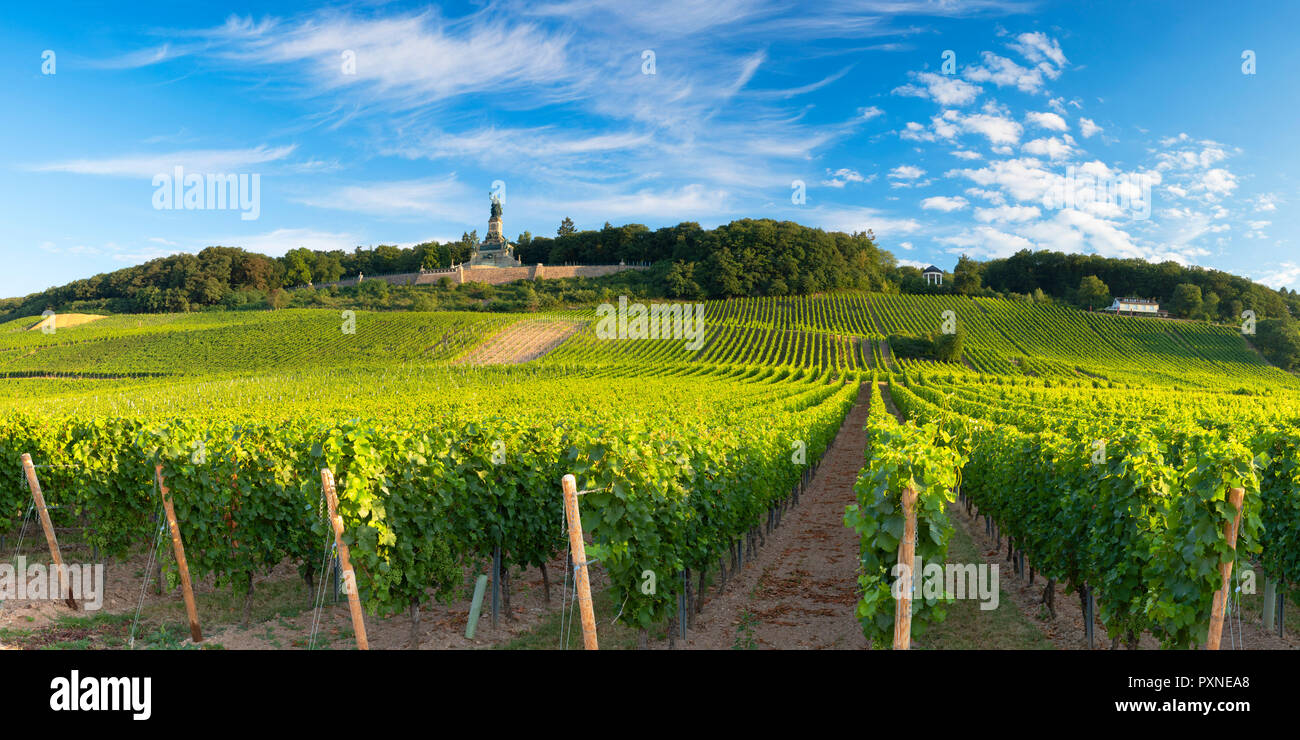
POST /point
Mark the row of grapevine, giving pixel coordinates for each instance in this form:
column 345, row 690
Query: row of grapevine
column 899, row 457
column 1138, row 521
column 247, row 341
column 422, row 494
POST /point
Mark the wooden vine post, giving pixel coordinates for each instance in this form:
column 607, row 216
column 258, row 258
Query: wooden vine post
column 56, row 556
column 583, row 583
column 345, row 561
column 1235, row 497
column 906, row 558
column 178, row 547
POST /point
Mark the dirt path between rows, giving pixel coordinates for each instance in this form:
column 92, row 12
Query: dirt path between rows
column 800, row 591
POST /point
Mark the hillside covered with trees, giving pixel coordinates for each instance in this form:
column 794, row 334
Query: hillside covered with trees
column 748, row 257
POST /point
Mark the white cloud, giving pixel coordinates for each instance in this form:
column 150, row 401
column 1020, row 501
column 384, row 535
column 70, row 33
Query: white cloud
column 513, row 144
column 906, row 172
column 613, row 203
column 997, row 129
column 916, row 132
column 844, row 175
column 1037, row 47
column 849, row 220
column 141, row 58
column 1050, row 121
column 276, row 243
column 966, row 154
column 1024, row 179
column 942, row 89
column 992, row 196
column 986, row 242
column 870, row 112
column 1004, row 72
column 1287, row 274
column 1087, row 127
column 1051, row 147
column 944, row 203
column 202, row 161
column 1187, row 154
column 409, row 60
column 1014, row 214
column 1218, row 181
column 991, row 124
column 445, row 198
column 913, row 263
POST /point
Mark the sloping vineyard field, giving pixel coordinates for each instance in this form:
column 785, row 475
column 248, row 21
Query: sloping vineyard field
column 683, row 443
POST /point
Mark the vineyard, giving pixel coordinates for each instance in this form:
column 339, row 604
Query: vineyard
column 1102, row 449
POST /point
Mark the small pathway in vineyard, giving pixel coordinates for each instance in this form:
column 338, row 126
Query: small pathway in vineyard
column 800, row 591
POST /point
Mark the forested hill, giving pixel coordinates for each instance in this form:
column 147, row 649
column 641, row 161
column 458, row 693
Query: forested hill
column 747, row 257
column 1193, row 292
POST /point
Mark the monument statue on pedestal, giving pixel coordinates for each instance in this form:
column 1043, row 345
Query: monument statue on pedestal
column 494, row 250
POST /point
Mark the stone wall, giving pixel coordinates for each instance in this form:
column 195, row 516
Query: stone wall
column 495, row 275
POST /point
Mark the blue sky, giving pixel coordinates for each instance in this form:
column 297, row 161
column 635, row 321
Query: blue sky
column 1148, row 102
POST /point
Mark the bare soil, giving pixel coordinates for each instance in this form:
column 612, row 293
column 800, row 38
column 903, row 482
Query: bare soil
column 65, row 320
column 282, row 614
column 800, row 591
column 522, row 342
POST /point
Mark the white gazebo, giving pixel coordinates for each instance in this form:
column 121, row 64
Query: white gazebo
column 932, row 275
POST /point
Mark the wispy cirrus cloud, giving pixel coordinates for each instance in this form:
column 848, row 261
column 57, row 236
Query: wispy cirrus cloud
column 148, row 165
column 444, row 197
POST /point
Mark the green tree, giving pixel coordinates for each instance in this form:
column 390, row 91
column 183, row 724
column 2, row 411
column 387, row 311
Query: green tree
column 462, row 250
column 297, row 264
column 680, row 280
column 176, row 301
column 326, row 268
column 725, row 275
column 1187, row 301
column 1093, row 293
column 1279, row 340
column 1233, row 312
column 277, row 299
column 1210, row 309
column 430, row 259
column 948, row 347
column 967, row 276
column 566, row 227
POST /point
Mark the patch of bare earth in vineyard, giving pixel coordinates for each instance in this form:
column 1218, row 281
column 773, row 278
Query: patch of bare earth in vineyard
column 521, row 342
column 282, row 614
column 800, row 590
